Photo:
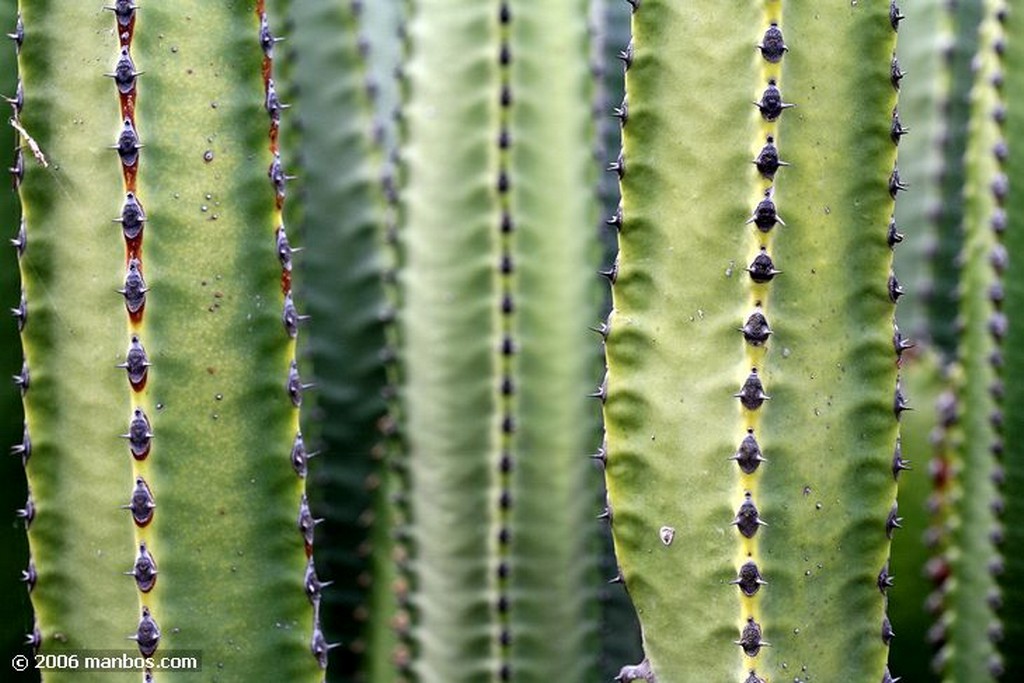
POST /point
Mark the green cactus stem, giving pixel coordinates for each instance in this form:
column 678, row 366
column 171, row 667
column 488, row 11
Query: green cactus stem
column 339, row 274
column 969, row 625
column 497, row 238
column 1012, row 582
column 965, row 18
column 915, row 542
column 752, row 415
column 925, row 51
column 210, row 411
column 13, row 494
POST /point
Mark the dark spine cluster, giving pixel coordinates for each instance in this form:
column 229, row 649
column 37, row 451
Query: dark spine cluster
column 298, row 456
column 507, row 350
column 22, row 379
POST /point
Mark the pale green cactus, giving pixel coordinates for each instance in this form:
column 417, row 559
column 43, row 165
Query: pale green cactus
column 498, row 248
column 192, row 362
column 751, row 531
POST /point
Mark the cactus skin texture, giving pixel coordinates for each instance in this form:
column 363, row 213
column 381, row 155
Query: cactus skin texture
column 969, row 627
column 17, row 607
column 497, row 240
column 1012, row 582
column 619, row 629
column 338, row 223
column 965, row 18
column 925, row 50
column 216, row 395
column 914, row 543
column 683, row 523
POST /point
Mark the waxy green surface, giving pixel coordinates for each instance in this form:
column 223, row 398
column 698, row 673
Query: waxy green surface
column 480, row 567
column 225, row 525
column 76, row 333
column 676, row 358
column 1012, row 582
column 967, row 652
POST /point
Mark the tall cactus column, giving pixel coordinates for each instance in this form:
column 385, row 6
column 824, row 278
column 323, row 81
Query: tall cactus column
column 969, row 627
column 154, row 183
column 752, row 399
column 497, row 243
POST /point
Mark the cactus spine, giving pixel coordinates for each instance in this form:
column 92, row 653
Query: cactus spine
column 690, row 524
column 496, row 243
column 203, row 335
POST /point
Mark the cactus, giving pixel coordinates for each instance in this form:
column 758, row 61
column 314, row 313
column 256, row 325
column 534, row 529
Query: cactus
column 964, row 18
column 1012, row 581
column 755, row 376
column 926, row 48
column 17, row 608
column 338, row 222
column 911, row 653
column 202, row 333
column 806, row 502
column 619, row 630
column 967, row 653
column 497, row 245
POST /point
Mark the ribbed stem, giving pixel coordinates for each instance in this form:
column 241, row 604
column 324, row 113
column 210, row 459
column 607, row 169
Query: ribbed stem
column 13, row 494
column 970, row 620
column 338, row 222
column 687, row 389
column 496, row 236
column 190, row 362
column 1012, row 581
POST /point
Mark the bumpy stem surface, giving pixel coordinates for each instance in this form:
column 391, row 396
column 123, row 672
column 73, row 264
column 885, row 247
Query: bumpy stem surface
column 189, row 363
column 716, row 487
column 497, row 239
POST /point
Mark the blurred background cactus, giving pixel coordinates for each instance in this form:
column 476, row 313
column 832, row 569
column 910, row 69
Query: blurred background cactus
column 373, row 232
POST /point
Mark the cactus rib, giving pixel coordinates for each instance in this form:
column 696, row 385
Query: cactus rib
column 493, row 316
column 973, row 558
column 203, row 469
column 684, row 288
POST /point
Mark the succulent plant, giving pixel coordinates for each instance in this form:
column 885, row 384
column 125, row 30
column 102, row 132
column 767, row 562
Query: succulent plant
column 445, row 202
column 157, row 309
column 753, row 394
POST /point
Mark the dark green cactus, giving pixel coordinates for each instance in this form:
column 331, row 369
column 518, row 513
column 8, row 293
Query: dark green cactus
column 699, row 519
column 925, row 50
column 619, row 630
column 339, row 274
column 961, row 51
column 14, row 560
column 916, row 542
